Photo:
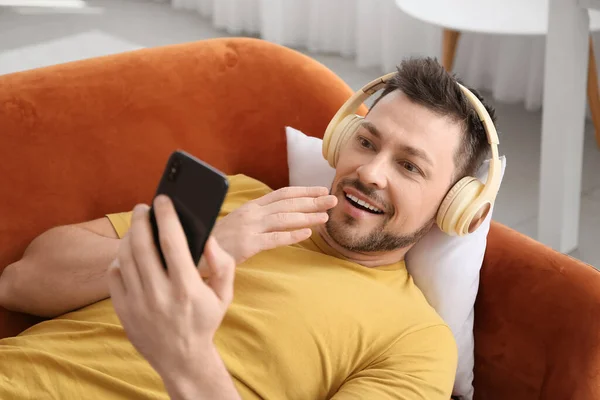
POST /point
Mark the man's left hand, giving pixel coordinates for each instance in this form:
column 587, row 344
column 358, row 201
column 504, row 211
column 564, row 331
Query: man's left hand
column 170, row 316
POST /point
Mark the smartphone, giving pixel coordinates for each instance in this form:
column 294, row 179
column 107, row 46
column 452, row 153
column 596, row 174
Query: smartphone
column 197, row 191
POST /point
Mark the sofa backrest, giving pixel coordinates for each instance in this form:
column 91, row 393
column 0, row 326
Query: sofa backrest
column 86, row 138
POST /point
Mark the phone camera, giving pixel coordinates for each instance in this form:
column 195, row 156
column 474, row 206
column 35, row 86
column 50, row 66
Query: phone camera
column 173, row 170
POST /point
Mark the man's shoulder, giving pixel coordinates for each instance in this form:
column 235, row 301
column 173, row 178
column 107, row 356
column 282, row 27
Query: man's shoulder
column 426, row 336
column 434, row 330
column 429, row 356
column 428, row 315
column 246, row 181
column 427, row 327
column 242, row 189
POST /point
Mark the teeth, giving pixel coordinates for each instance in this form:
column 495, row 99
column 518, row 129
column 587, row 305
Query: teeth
column 363, row 203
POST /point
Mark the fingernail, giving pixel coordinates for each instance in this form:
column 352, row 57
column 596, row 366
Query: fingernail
column 138, row 208
column 161, row 199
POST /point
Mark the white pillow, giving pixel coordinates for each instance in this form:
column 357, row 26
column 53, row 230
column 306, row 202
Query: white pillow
column 445, row 268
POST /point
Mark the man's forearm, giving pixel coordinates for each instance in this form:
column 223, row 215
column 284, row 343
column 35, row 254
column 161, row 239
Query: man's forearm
column 62, row 270
column 209, row 379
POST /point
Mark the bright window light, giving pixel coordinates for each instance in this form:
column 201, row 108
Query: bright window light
column 44, row 3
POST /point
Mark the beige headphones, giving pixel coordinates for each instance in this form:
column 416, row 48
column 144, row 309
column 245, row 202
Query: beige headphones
column 468, row 202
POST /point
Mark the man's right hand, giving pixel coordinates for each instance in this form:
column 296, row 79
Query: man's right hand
column 280, row 218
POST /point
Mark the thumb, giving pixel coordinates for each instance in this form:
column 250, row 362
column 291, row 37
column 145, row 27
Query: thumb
column 221, row 266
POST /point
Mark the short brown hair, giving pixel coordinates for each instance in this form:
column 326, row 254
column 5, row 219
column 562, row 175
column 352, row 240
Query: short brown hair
column 427, row 83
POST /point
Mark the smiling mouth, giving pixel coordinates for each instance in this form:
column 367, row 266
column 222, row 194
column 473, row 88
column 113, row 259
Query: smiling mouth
column 361, row 205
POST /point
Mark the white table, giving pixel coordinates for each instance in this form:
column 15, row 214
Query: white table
column 566, row 24
column 563, row 122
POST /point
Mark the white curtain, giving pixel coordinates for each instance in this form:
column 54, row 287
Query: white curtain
column 378, row 34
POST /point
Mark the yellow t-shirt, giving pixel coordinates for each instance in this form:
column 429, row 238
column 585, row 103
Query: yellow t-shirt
column 304, row 324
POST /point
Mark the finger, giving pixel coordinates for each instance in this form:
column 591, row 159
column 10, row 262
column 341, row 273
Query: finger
column 273, row 240
column 128, row 269
column 222, row 270
column 115, row 281
column 292, row 192
column 173, row 243
column 302, row 204
column 150, row 269
column 288, row 221
column 118, row 293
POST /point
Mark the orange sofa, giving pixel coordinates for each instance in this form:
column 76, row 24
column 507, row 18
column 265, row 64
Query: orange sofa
column 86, row 138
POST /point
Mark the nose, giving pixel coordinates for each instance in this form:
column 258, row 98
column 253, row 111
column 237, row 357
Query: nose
column 373, row 172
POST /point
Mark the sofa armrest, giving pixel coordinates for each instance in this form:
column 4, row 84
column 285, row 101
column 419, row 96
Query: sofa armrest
column 537, row 322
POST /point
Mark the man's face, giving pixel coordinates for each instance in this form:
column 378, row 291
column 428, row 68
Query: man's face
column 401, row 162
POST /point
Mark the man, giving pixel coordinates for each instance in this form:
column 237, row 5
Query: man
column 323, row 306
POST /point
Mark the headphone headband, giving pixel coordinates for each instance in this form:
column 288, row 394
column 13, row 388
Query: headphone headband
column 354, row 102
column 492, row 184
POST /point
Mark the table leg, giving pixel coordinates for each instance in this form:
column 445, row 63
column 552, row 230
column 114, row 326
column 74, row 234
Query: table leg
column 563, row 119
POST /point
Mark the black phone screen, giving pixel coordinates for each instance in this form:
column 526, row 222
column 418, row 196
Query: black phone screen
column 197, row 191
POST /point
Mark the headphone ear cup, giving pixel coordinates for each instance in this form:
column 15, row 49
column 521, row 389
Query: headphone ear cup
column 341, row 133
column 454, row 205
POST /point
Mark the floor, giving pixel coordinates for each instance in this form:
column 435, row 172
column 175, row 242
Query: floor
column 36, row 36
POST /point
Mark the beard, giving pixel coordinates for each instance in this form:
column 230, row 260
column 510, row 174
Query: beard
column 378, row 239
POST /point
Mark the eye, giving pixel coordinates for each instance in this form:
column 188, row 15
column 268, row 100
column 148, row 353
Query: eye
column 410, row 167
column 364, row 142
